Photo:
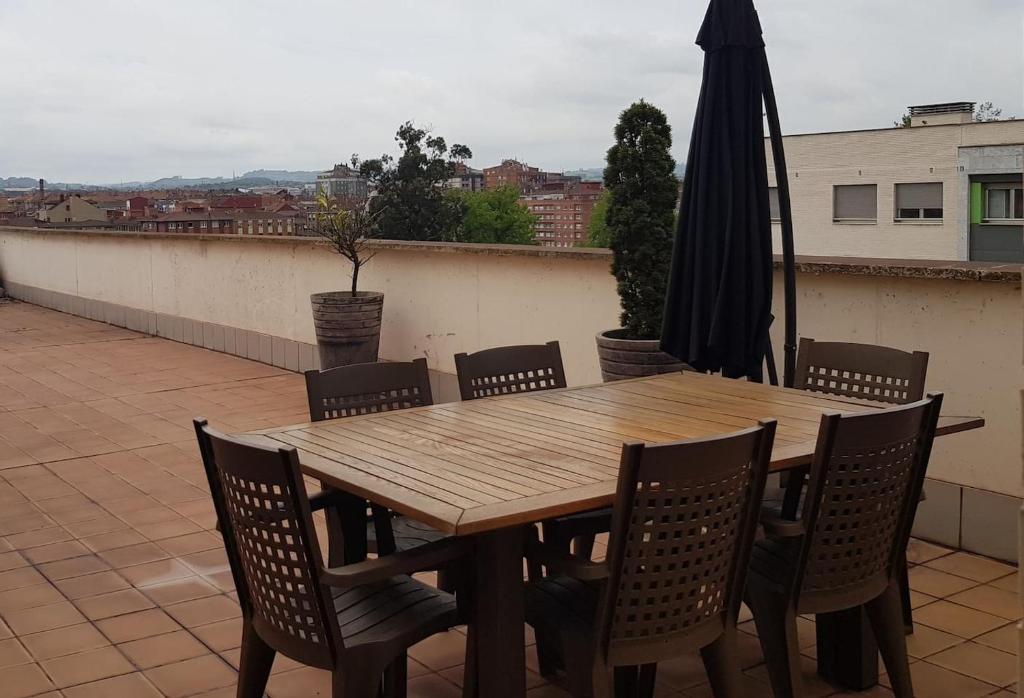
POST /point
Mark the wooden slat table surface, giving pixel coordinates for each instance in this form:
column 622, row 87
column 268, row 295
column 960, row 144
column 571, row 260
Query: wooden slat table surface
column 483, row 465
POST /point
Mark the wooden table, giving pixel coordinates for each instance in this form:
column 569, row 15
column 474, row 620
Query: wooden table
column 486, row 467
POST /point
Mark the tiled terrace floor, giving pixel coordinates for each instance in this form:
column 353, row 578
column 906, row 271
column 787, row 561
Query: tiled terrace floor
column 112, row 583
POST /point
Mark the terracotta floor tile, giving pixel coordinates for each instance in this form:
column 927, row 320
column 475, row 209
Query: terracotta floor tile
column 203, row 611
column 133, row 555
column 63, row 641
column 998, row 602
column 73, row 567
column 34, row 620
column 191, row 543
column 192, row 676
column 1004, row 638
column 926, row 641
column 432, row 686
column 956, row 619
column 55, row 551
column 24, row 680
column 163, row 649
column 20, row 577
column 220, row 636
column 980, row 662
column 85, row 667
column 12, row 652
column 155, row 572
column 919, row 551
column 980, row 569
column 12, row 560
column 301, row 683
column 440, row 651
column 115, row 603
column 29, row 597
column 112, row 540
column 134, row 626
column 178, row 590
column 42, row 536
column 126, row 686
column 936, row 583
column 92, row 585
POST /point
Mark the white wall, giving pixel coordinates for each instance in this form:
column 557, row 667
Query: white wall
column 445, row 299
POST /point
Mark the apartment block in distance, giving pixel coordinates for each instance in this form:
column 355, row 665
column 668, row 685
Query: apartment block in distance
column 563, row 212
column 945, row 187
column 512, row 173
column 342, row 182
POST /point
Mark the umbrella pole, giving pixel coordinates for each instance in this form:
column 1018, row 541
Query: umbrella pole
column 786, row 215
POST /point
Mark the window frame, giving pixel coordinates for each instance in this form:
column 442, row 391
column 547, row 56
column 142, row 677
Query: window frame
column 1012, row 188
column 853, row 221
column 921, row 219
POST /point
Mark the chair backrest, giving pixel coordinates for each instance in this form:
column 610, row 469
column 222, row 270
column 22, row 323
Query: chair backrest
column 347, row 391
column 502, row 370
column 864, row 371
column 271, row 545
column 862, row 494
column 683, row 526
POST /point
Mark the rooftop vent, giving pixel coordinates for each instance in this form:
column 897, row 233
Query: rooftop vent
column 946, row 113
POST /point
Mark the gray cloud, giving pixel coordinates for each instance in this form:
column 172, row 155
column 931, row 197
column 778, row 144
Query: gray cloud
column 122, row 89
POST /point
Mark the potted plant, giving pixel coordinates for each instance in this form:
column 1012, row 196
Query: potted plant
column 643, row 192
column 347, row 322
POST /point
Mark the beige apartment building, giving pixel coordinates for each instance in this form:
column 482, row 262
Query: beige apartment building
column 71, row 209
column 946, row 187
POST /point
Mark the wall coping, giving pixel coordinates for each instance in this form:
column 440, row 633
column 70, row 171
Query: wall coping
column 1000, row 272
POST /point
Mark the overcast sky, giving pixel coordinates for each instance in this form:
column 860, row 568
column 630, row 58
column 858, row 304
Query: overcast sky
column 112, row 90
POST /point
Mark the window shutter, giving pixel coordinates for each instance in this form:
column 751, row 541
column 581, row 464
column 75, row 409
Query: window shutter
column 855, row 202
column 919, row 195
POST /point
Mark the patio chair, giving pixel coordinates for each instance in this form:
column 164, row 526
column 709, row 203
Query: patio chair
column 356, row 621
column 503, row 370
column 350, row 391
column 846, row 548
column 867, row 371
column 685, row 516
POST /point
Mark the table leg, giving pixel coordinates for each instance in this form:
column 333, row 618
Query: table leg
column 499, row 615
column 847, row 651
column 350, row 521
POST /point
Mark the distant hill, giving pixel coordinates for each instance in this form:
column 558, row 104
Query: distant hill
column 304, row 176
column 596, row 174
column 255, row 178
column 17, row 182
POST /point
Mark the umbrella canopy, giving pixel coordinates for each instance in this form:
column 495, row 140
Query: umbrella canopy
column 718, row 304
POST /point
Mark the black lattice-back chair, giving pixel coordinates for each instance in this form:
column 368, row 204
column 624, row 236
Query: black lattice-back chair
column 866, row 371
column 846, row 548
column 684, row 520
column 505, row 370
column 863, row 371
column 360, row 389
column 356, row 621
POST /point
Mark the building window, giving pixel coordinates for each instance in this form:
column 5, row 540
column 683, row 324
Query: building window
column 773, row 203
column 918, row 201
column 855, row 203
column 1003, row 202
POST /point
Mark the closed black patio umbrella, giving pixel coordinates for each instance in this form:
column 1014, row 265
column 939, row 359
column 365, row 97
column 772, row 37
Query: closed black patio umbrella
column 718, row 305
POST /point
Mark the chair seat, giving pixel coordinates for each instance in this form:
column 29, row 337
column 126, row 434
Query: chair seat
column 398, row 609
column 408, row 534
column 562, row 602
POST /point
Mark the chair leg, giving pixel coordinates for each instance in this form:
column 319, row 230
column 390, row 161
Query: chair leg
column 396, row 677
column 355, row 682
column 776, row 630
column 886, row 617
column 581, row 672
column 254, row 665
column 626, row 680
column 469, row 678
column 904, row 581
column 548, row 647
column 335, row 538
column 647, row 679
column 584, row 546
column 722, row 664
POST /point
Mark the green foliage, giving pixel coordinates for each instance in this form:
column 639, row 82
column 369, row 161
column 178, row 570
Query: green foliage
column 598, row 233
column 495, row 216
column 346, row 226
column 904, row 121
column 641, row 215
column 410, row 203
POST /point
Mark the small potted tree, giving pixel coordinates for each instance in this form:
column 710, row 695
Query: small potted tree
column 640, row 219
column 347, row 322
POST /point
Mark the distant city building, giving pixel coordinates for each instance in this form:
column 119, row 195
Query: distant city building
column 946, row 187
column 343, row 183
column 70, row 209
column 512, row 173
column 563, row 216
column 237, row 201
column 466, row 178
column 223, row 223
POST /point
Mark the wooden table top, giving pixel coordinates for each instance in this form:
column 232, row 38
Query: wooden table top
column 480, row 465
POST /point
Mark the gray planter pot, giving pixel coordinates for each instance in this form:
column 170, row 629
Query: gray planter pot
column 633, row 358
column 347, row 326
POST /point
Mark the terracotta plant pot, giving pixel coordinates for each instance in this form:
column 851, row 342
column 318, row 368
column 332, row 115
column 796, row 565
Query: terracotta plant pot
column 633, row 358
column 347, row 326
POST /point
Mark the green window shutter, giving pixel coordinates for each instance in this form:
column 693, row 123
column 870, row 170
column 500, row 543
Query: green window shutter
column 975, row 203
